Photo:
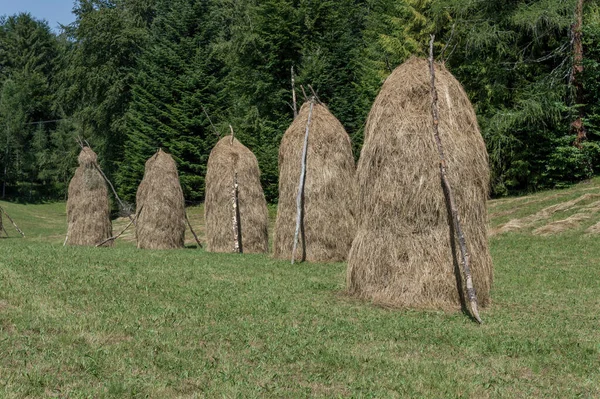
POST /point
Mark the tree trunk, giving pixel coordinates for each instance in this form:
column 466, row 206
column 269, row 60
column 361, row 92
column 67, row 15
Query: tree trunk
column 577, row 126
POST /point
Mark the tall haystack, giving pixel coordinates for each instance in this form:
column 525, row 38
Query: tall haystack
column 328, row 222
column 160, row 206
column 88, row 208
column 405, row 252
column 228, row 159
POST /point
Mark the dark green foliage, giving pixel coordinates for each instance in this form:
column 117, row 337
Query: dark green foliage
column 28, row 61
column 176, row 76
column 131, row 76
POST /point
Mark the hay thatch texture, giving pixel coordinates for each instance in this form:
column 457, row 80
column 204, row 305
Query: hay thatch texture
column 88, row 207
column 329, row 193
column 405, row 253
column 161, row 222
column 225, row 159
column 544, row 214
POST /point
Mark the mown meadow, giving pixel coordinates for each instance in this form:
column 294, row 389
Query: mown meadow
column 121, row 322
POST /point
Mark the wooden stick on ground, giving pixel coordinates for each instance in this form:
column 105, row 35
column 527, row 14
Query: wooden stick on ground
column 300, row 195
column 471, row 293
column 12, row 221
column 237, row 234
column 122, row 231
column 192, row 230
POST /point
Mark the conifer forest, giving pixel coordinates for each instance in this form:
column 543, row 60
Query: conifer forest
column 132, row 76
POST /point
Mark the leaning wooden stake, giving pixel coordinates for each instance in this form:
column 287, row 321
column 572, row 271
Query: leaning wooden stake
column 294, row 103
column 192, row 230
column 300, row 196
column 12, row 221
column 122, row 231
column 237, row 233
column 121, row 205
column 471, row 293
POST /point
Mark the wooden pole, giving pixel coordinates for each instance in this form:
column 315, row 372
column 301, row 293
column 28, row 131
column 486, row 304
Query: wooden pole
column 237, row 234
column 192, row 230
column 471, row 293
column 300, row 196
column 295, row 105
column 12, row 221
column 121, row 205
column 122, row 231
column 210, row 121
column 232, row 134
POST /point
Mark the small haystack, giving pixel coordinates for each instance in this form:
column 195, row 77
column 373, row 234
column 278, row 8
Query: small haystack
column 405, row 252
column 160, row 206
column 329, row 192
column 88, row 209
column 228, row 159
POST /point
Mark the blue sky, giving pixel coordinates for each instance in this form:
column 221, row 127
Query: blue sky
column 53, row 11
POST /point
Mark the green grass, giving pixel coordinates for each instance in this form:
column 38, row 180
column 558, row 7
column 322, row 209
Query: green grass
column 120, row 322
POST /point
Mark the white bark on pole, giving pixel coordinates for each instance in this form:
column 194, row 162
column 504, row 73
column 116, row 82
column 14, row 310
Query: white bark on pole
column 464, row 254
column 12, row 221
column 295, row 104
column 300, row 196
column 237, row 234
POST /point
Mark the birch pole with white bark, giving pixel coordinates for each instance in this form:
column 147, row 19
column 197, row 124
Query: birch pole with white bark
column 300, row 196
column 462, row 242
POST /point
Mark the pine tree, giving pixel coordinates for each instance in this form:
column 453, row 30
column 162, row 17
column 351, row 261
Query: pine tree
column 177, row 78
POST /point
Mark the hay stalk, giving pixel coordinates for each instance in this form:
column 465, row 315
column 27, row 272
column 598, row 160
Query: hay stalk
column 121, row 205
column 192, row 230
column 471, row 293
column 300, row 196
column 12, row 221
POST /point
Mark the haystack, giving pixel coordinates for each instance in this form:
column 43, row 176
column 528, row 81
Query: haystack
column 405, row 252
column 88, row 208
column 160, row 206
column 228, row 159
column 329, row 222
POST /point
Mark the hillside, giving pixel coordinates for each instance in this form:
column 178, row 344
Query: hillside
column 120, row 322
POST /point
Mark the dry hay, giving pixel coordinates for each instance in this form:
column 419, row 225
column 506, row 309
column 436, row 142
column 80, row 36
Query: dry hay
column 88, row 207
column 160, row 205
column 405, row 253
column 544, row 214
column 594, row 229
column 559, row 226
column 570, row 223
column 226, row 159
column 329, row 192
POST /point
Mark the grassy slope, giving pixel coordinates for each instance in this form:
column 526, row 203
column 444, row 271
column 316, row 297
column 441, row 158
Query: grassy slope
column 85, row 322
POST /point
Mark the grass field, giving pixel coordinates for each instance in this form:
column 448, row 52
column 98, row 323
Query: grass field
column 102, row 323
